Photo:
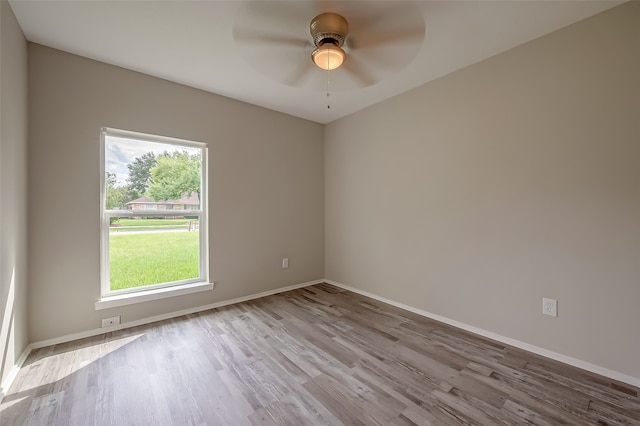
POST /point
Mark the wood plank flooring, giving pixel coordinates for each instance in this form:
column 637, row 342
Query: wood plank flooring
column 314, row 356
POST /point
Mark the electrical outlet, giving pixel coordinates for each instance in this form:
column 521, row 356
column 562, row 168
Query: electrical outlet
column 110, row 322
column 285, row 262
column 550, row 307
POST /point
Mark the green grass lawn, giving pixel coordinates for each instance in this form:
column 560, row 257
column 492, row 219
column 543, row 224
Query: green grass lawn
column 151, row 258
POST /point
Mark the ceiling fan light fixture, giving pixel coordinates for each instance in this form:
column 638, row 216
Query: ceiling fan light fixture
column 328, row 56
column 328, row 31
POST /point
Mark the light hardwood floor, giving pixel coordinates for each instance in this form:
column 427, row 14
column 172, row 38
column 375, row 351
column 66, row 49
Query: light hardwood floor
column 313, row 356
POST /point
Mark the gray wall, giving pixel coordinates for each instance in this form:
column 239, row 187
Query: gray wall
column 13, row 191
column 265, row 187
column 517, row 178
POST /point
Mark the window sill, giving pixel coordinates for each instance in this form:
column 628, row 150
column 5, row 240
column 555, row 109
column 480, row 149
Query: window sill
column 155, row 294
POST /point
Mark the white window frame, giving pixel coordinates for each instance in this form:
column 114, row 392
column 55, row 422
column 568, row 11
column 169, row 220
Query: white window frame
column 109, row 298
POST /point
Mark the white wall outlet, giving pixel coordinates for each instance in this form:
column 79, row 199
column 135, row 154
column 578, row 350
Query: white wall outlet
column 110, row 322
column 285, row 262
column 550, row 307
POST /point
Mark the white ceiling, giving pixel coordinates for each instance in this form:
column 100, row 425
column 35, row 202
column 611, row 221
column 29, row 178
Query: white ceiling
column 212, row 45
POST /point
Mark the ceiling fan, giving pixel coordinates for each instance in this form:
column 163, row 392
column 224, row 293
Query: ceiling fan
column 328, row 31
column 359, row 42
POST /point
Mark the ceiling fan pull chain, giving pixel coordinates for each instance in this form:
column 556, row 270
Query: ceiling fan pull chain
column 328, row 92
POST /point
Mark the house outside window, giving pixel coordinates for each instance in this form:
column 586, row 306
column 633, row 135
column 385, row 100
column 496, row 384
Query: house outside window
column 154, row 213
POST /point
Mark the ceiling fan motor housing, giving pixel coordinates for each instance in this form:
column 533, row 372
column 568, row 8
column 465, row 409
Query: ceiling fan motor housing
column 329, row 28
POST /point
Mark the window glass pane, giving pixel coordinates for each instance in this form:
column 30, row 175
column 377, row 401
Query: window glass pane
column 161, row 179
column 152, row 251
column 143, row 175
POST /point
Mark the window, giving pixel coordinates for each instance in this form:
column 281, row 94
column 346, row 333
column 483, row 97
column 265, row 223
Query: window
column 150, row 243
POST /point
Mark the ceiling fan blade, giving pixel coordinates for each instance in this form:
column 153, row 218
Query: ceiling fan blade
column 278, row 18
column 359, row 72
column 300, row 75
column 386, row 37
column 250, row 36
column 370, row 40
column 273, row 36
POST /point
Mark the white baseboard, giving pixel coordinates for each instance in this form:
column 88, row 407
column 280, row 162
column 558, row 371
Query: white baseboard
column 148, row 320
column 8, row 381
column 634, row 381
